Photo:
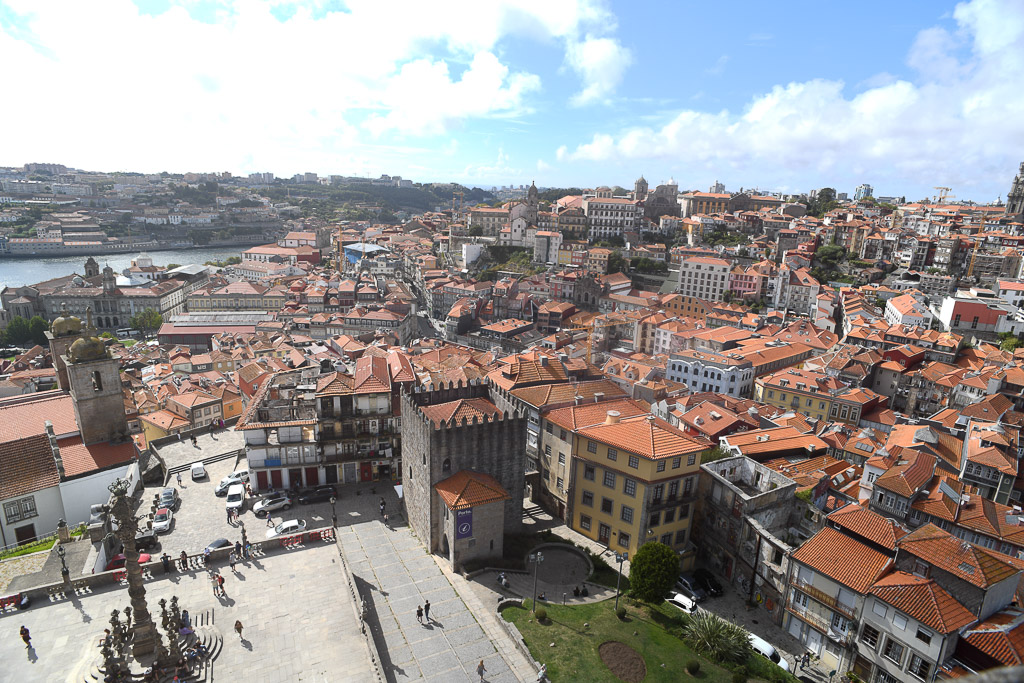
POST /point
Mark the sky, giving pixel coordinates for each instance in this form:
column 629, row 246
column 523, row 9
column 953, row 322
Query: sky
column 786, row 96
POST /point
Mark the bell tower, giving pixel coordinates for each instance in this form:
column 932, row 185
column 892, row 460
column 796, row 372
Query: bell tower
column 95, row 385
column 1015, row 198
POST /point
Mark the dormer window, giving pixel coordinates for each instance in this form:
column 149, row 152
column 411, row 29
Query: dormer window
column 921, row 569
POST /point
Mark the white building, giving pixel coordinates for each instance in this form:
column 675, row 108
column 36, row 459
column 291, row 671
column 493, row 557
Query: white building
column 611, row 216
column 703, row 277
column 908, row 309
column 706, row 371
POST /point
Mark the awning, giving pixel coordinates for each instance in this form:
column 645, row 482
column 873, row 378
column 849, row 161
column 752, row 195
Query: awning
column 398, row 490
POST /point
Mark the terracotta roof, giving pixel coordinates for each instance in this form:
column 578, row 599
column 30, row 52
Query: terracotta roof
column 775, row 439
column 869, row 525
column 830, row 551
column 923, row 600
column 467, row 489
column 1001, row 636
column 589, row 414
column 26, row 466
column 372, row 375
column 969, row 563
column 647, row 436
column 552, row 394
column 165, row 420
column 462, row 409
column 81, row 459
column 22, row 416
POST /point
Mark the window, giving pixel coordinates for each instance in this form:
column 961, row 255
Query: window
column 666, row 539
column 655, row 519
column 924, row 636
column 562, row 435
column 626, row 514
column 561, row 458
column 692, row 459
column 884, row 677
column 17, row 510
column 613, row 454
column 676, row 462
column 974, row 323
column 919, row 666
column 661, row 466
column 634, row 462
column 670, row 515
column 548, row 428
column 629, row 487
column 681, row 537
column 606, row 506
column 623, row 539
column 673, row 490
column 585, row 522
column 688, row 487
column 684, row 511
column 588, row 499
column 893, row 650
column 659, row 489
column 547, row 451
column 592, row 446
column 609, row 479
column 12, row 511
column 588, row 472
column 899, row 621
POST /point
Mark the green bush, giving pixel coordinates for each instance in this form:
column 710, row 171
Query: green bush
column 693, row 667
column 652, row 571
column 620, row 612
column 739, row 676
column 714, row 637
column 542, row 613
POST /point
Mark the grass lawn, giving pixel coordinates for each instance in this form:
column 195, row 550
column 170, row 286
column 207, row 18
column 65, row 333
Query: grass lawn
column 574, row 655
column 127, row 343
column 37, row 546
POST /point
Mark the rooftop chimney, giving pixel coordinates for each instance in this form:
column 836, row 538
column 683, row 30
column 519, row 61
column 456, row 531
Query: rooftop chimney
column 612, row 417
column 543, row 361
column 598, row 395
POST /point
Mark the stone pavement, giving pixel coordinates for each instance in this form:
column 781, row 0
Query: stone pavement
column 183, row 453
column 295, row 607
column 395, row 574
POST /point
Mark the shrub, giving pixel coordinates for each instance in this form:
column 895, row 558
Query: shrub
column 652, row 571
column 739, row 676
column 710, row 635
column 620, row 612
column 693, row 667
column 542, row 613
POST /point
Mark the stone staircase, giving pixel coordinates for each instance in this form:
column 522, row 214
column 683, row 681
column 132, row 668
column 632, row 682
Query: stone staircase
column 205, row 632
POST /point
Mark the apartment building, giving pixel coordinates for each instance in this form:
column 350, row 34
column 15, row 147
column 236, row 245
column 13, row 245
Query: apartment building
column 703, row 277
column 634, row 480
column 708, row 371
column 611, row 216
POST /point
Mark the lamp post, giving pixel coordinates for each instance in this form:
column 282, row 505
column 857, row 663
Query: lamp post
column 64, row 571
column 620, row 558
column 536, row 558
column 334, row 514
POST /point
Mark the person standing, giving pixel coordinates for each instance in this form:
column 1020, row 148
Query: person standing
column 220, row 585
column 216, row 586
column 238, row 549
column 481, row 669
column 419, row 613
column 179, row 478
column 238, row 628
column 26, row 636
column 231, row 560
column 426, row 610
column 184, row 560
column 382, row 504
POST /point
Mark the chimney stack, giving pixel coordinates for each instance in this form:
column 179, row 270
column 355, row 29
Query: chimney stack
column 612, row 417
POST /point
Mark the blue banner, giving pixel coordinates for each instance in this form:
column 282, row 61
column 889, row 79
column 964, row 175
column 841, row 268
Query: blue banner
column 464, row 523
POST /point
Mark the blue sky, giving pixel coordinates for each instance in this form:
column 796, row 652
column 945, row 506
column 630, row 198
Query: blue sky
column 787, row 96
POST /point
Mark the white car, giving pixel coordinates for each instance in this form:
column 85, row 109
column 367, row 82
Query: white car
column 768, row 651
column 198, row 471
column 683, row 602
column 239, row 477
column 272, row 502
column 292, row 526
column 162, row 520
column 236, row 497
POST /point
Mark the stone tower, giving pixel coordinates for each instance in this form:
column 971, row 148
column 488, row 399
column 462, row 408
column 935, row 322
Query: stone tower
column 95, row 385
column 1015, row 198
column 63, row 332
column 92, row 269
column 532, row 204
column 640, row 189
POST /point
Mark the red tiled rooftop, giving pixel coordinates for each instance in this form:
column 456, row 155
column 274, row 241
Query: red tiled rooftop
column 830, row 551
column 467, row 489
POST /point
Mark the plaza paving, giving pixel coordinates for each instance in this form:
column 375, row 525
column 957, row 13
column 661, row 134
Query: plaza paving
column 295, row 607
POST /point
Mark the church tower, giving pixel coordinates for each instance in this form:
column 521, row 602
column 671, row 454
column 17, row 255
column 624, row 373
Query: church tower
column 532, row 204
column 63, row 332
column 640, row 189
column 1015, row 198
column 95, row 385
column 92, row 269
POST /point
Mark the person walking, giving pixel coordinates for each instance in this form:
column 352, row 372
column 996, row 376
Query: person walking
column 179, row 478
column 238, row 549
column 232, row 560
column 387, row 524
column 382, row 504
column 426, row 610
column 419, row 613
column 229, row 511
column 184, row 560
column 238, row 628
column 220, row 585
column 248, row 550
column 26, row 636
column 216, row 586
column 481, row 669
column 270, row 522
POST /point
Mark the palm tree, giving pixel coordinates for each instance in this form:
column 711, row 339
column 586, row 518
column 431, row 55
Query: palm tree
column 710, row 635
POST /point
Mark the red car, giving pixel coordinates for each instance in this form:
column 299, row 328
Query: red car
column 117, row 561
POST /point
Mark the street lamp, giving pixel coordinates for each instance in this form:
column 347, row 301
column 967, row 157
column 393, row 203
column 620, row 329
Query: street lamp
column 64, row 571
column 536, row 558
column 334, row 514
column 620, row 558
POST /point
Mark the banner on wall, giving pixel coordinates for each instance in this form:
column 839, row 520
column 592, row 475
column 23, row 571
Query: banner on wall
column 464, row 523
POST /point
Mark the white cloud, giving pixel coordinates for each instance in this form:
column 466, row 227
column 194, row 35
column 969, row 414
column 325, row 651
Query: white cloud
column 955, row 124
column 106, row 86
column 601, row 64
column 543, row 166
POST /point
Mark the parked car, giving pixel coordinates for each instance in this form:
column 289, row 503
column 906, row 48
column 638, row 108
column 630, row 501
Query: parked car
column 239, row 477
column 169, row 499
column 236, row 497
column 162, row 521
column 319, row 494
column 118, row 561
column 198, row 470
column 271, row 502
column 219, row 543
column 292, row 526
column 707, row 581
column 768, row 651
column 683, row 602
column 146, row 539
column 687, row 585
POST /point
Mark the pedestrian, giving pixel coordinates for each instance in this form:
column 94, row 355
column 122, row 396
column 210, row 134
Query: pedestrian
column 419, row 613
column 426, row 610
column 270, row 522
column 238, row 628
column 248, row 550
column 216, row 585
column 184, row 560
column 26, row 636
column 206, row 556
column 179, row 437
column 231, row 560
column 480, row 669
column 165, row 559
column 382, row 504
column 238, row 549
column 185, row 619
column 386, row 522
column 220, row 585
column 179, row 478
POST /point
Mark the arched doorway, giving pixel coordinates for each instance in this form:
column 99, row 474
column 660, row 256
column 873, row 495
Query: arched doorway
column 445, row 550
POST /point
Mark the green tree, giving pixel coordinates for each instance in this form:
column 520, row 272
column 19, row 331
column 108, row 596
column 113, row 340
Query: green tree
column 37, row 328
column 823, row 202
column 716, row 453
column 476, row 231
column 147, row 321
column 18, row 331
column 617, row 264
column 710, row 635
column 652, row 571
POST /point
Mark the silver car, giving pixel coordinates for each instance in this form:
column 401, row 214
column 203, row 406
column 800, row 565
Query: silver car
column 292, row 526
column 272, row 502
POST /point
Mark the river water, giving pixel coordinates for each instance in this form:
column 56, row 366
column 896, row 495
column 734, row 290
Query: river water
column 15, row 272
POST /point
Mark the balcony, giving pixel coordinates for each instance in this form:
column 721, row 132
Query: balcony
column 819, row 624
column 822, row 597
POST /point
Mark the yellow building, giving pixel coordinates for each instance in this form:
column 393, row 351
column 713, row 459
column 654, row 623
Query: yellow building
column 815, row 394
column 634, row 480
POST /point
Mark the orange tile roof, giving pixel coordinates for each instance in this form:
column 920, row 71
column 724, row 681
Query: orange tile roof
column 646, row 436
column 969, row 563
column 22, row 416
column 869, row 525
column 924, row 600
column 829, row 551
column 551, row 394
column 26, row 466
column 372, row 375
column 778, row 439
column 908, row 476
column 467, row 489
column 462, row 409
column 1001, row 636
column 80, row 459
column 589, row 414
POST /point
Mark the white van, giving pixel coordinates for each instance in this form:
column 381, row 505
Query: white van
column 198, row 471
column 768, row 651
column 236, row 497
